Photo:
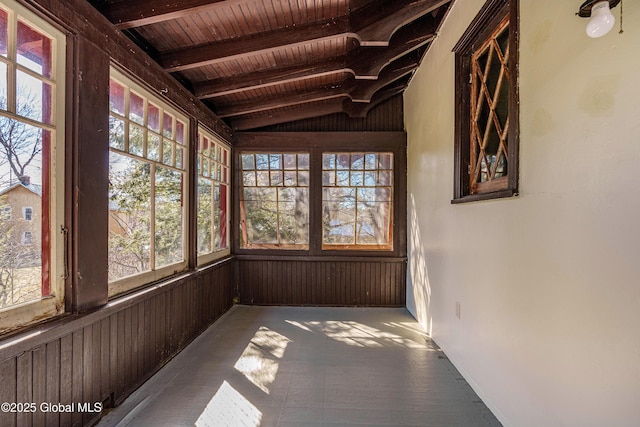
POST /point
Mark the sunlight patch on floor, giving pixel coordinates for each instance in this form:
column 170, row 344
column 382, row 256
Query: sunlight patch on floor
column 228, row 408
column 258, row 362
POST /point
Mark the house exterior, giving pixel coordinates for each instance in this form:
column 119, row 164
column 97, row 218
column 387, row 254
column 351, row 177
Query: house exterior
column 21, row 227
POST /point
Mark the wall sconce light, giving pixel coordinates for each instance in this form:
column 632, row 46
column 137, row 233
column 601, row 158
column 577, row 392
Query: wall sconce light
column 602, row 20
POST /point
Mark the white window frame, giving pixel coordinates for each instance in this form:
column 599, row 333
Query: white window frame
column 128, row 283
column 51, row 305
column 202, row 131
column 24, row 213
column 24, row 238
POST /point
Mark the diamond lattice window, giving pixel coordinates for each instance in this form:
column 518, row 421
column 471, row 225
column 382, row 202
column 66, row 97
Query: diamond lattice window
column 490, row 109
column 487, row 106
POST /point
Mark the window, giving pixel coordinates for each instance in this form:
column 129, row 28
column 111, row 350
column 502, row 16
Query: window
column 274, row 200
column 27, row 213
column 487, row 105
column 357, row 200
column 147, row 186
column 32, row 104
column 214, row 175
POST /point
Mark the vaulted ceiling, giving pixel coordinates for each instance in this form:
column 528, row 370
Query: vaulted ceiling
column 257, row 63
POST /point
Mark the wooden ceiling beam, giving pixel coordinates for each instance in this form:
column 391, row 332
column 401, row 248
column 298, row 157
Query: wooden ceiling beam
column 365, row 90
column 376, row 23
column 285, row 38
column 312, row 110
column 287, row 100
column 305, row 111
column 366, row 64
column 271, row 77
column 136, row 13
column 288, row 38
column 361, row 91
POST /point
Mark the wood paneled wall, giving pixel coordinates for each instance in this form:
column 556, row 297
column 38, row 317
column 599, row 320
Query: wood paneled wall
column 322, row 281
column 386, row 117
column 105, row 355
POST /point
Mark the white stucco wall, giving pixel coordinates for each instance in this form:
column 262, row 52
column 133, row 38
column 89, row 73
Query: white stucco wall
column 548, row 282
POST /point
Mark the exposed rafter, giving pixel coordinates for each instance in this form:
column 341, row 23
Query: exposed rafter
column 262, row 62
column 306, row 111
column 376, row 23
column 363, row 63
column 360, row 91
column 286, row 38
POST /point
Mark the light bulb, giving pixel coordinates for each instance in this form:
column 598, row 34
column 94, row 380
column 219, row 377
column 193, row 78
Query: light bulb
column 602, row 20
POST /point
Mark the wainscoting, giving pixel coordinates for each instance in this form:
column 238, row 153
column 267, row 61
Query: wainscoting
column 322, row 281
column 103, row 356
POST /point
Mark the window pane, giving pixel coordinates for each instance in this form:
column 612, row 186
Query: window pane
column 136, row 141
column 34, row 50
column 168, row 217
column 116, row 97
column 339, row 212
column 136, row 108
column 4, row 22
column 205, row 208
column 116, row 133
column 33, row 98
column 275, row 200
column 3, row 86
column 167, row 125
column 261, row 215
column 357, row 200
column 153, row 117
column 220, row 216
column 22, row 222
column 129, row 219
column 214, row 174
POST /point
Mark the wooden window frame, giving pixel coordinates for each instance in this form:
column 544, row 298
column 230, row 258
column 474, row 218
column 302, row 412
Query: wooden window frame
column 53, row 168
column 317, row 143
column 486, row 22
column 131, row 282
column 216, row 254
column 355, row 245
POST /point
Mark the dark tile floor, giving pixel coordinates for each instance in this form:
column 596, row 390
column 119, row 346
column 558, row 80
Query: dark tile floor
column 290, row 366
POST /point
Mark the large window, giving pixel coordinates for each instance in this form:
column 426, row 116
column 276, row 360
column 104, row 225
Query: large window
column 274, row 202
column 487, row 105
column 147, row 186
column 32, row 61
column 339, row 197
column 357, row 200
column 214, row 177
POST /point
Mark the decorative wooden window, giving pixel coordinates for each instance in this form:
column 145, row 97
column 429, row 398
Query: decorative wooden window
column 274, row 200
column 487, row 105
column 147, row 186
column 32, row 105
column 214, row 178
column 357, row 200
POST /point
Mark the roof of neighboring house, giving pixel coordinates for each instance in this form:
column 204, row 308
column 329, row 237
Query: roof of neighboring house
column 34, row 188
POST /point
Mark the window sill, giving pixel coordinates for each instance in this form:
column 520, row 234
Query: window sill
column 502, row 194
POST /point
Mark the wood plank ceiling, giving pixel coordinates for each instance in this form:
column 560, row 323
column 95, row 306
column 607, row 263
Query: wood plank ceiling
column 257, row 63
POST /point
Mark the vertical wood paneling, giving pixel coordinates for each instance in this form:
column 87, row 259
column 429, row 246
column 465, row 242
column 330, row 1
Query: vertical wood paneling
column 66, row 376
column 24, row 390
column 107, row 358
column 52, row 370
column 8, row 375
column 331, row 282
